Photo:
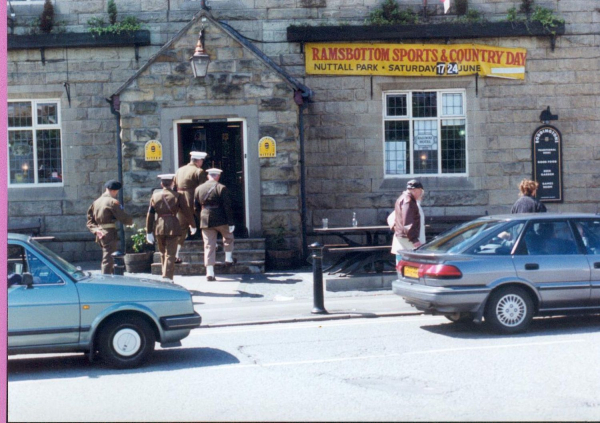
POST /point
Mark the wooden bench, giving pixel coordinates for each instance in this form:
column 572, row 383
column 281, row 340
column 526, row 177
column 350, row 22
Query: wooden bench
column 31, row 228
column 365, row 248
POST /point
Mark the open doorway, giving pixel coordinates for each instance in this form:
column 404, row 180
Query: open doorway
column 223, row 141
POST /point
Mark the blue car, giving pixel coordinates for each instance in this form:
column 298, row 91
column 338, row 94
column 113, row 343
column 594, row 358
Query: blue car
column 55, row 307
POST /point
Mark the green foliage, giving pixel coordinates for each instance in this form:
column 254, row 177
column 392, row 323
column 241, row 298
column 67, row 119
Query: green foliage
column 462, row 6
column 546, row 17
column 389, row 13
column 472, row 16
column 47, row 17
column 98, row 26
column 513, row 15
column 139, row 240
column 526, row 6
column 112, row 12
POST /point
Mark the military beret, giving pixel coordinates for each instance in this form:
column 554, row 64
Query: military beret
column 113, row 184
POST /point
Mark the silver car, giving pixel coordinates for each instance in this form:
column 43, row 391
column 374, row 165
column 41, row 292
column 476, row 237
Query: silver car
column 53, row 306
column 507, row 269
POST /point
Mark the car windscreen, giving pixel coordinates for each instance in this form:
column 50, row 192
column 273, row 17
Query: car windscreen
column 455, row 240
column 59, row 262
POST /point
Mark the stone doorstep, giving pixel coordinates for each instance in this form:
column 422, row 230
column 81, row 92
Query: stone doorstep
column 360, row 282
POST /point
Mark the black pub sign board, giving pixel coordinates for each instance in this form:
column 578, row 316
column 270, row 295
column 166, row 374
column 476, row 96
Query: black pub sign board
column 547, row 163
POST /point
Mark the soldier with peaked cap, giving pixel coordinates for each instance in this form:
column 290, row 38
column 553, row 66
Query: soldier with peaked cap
column 187, row 179
column 101, row 221
column 163, row 225
column 213, row 204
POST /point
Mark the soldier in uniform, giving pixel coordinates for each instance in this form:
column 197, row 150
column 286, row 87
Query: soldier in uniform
column 213, row 204
column 166, row 204
column 101, row 218
column 187, row 179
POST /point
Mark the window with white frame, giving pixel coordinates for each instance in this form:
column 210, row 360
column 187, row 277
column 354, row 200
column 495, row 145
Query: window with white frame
column 34, row 143
column 425, row 133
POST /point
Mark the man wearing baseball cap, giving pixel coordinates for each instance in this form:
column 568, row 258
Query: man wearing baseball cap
column 187, row 179
column 101, row 221
column 409, row 224
column 213, row 204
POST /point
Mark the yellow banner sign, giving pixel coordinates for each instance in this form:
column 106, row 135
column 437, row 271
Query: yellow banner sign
column 267, row 147
column 153, row 150
column 415, row 60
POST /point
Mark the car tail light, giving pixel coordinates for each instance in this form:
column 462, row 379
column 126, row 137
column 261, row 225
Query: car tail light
column 436, row 271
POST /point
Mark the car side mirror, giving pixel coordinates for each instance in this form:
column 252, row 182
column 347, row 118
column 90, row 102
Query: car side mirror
column 27, row 280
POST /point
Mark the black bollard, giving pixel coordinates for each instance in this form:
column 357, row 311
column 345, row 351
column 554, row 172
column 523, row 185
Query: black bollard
column 119, row 258
column 318, row 298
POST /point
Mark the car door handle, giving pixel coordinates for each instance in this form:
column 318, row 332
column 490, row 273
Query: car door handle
column 597, row 265
column 532, row 266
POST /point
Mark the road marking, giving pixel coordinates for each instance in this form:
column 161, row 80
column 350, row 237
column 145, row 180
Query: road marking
column 489, row 347
column 384, row 356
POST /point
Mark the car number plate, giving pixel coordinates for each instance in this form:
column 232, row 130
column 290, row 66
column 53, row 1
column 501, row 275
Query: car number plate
column 411, row 272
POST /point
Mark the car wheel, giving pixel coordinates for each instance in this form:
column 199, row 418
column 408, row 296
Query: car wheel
column 509, row 310
column 125, row 343
column 460, row 317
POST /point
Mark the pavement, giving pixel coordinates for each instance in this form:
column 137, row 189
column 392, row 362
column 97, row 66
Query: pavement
column 280, row 297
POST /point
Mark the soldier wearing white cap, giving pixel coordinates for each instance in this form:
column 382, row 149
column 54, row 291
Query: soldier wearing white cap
column 101, row 221
column 187, row 179
column 166, row 204
column 213, row 204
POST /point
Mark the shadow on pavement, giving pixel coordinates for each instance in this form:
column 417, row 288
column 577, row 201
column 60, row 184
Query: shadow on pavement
column 267, row 278
column 240, row 294
column 559, row 325
column 77, row 365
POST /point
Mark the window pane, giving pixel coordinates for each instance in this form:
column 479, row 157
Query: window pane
column 48, row 155
column 396, row 148
column 589, row 230
column 20, row 157
column 453, row 146
column 19, row 114
column 452, row 104
column 550, row 238
column 424, row 104
column 425, row 145
column 396, row 105
column 47, row 114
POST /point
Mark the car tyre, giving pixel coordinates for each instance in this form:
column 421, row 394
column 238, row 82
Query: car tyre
column 461, row 318
column 509, row 310
column 126, row 343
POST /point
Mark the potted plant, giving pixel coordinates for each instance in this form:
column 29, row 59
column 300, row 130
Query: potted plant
column 279, row 255
column 141, row 259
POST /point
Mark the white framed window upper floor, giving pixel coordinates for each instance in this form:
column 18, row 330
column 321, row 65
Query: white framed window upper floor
column 34, row 143
column 425, row 133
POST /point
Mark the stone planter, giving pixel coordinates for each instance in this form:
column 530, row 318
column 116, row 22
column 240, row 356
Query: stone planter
column 138, row 262
column 281, row 259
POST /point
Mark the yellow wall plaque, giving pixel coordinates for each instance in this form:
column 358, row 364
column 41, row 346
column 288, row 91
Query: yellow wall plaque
column 153, row 150
column 267, row 147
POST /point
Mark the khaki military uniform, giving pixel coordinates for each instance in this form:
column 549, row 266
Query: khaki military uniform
column 166, row 204
column 187, row 179
column 213, row 204
column 101, row 218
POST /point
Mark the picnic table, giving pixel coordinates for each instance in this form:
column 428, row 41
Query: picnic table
column 364, row 248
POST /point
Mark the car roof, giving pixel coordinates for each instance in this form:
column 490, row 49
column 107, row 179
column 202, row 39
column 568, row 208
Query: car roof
column 538, row 216
column 18, row 237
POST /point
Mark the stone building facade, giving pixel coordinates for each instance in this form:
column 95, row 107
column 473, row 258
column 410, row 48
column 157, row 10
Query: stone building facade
column 252, row 81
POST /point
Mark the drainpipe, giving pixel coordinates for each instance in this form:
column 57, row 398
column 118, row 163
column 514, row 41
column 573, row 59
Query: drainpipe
column 302, row 105
column 115, row 107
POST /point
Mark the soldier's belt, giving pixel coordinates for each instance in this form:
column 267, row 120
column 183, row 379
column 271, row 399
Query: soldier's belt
column 210, row 207
column 166, row 215
column 108, row 226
